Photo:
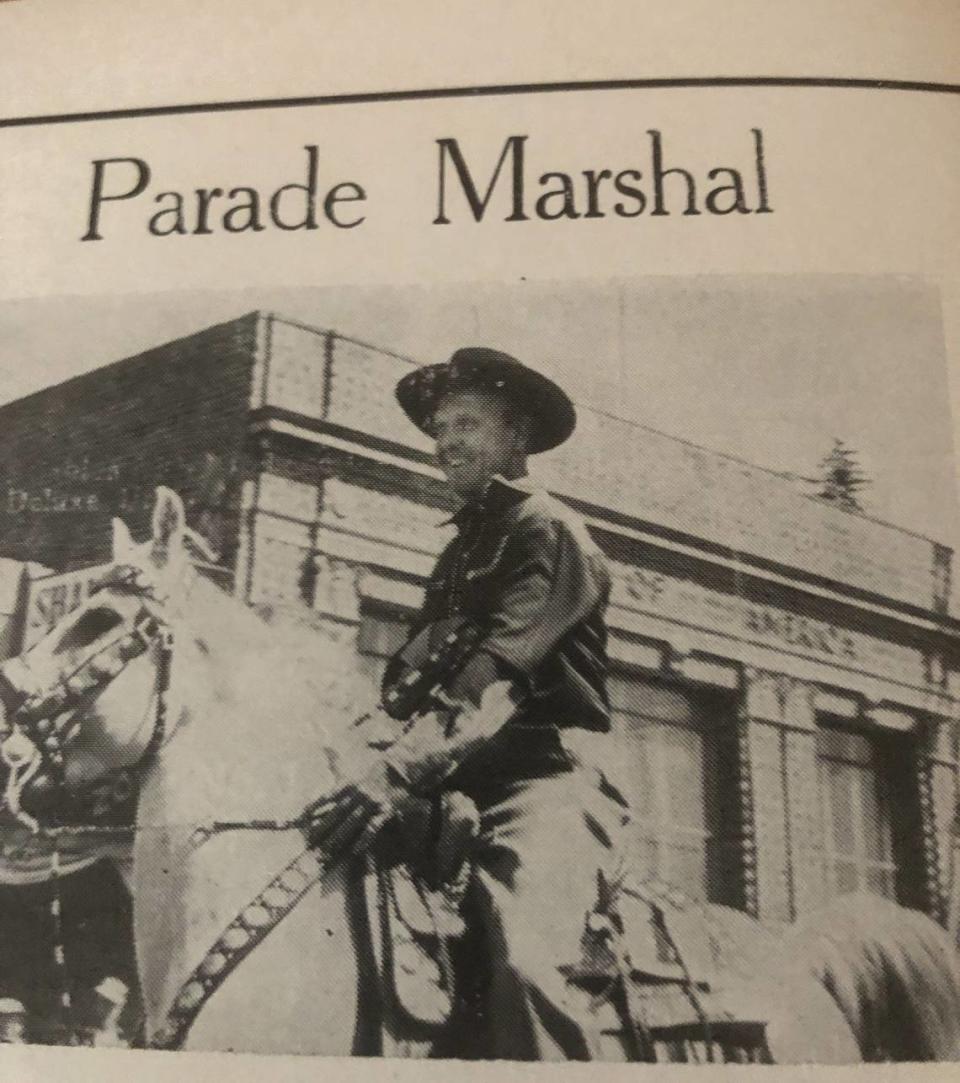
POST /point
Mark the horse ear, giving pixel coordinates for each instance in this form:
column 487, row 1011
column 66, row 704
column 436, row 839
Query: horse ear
column 123, row 543
column 169, row 524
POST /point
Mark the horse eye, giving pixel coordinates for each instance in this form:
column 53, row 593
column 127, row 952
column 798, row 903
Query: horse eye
column 89, row 628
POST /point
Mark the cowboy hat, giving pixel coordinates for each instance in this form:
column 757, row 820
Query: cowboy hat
column 478, row 368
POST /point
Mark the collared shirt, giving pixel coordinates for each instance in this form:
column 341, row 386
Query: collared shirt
column 523, row 567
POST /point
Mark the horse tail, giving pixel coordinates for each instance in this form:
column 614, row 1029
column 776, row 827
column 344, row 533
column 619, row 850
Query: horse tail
column 893, row 972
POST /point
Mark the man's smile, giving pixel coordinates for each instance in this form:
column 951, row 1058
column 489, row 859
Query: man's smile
column 452, row 461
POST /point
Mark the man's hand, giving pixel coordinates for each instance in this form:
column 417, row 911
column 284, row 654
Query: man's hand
column 382, row 772
column 403, row 771
column 348, row 820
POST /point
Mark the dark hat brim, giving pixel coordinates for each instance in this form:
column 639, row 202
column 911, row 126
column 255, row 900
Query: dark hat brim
column 478, row 369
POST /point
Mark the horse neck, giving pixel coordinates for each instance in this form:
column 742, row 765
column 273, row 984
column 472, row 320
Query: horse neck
column 258, row 708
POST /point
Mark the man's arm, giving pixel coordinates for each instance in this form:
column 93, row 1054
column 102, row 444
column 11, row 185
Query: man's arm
column 553, row 582
column 436, row 746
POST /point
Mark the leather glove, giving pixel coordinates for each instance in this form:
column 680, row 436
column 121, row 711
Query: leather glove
column 384, row 774
column 348, row 820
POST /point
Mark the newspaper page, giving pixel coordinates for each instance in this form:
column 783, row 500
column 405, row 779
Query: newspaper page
column 478, row 531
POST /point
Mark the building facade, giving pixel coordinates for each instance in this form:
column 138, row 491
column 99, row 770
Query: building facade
column 786, row 674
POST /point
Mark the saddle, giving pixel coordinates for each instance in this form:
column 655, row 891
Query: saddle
column 656, row 983
column 417, row 902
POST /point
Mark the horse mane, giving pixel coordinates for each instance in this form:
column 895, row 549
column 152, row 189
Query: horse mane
column 214, row 612
column 270, row 654
column 893, row 972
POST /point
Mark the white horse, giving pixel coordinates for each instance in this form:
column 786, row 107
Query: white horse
column 251, row 714
column 227, row 719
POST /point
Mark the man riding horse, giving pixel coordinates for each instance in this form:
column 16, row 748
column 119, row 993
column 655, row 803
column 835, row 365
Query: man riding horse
column 525, row 574
column 246, row 940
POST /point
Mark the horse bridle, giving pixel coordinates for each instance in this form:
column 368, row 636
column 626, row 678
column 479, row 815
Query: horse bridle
column 33, row 742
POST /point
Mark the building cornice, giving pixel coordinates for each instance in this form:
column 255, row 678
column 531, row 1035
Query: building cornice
column 287, row 424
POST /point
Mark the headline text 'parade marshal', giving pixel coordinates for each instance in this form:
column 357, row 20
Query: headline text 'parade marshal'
column 509, row 187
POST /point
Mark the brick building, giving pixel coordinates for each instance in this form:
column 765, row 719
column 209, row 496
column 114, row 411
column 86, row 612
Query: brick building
column 786, row 673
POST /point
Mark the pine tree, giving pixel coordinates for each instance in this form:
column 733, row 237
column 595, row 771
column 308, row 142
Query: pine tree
column 841, row 478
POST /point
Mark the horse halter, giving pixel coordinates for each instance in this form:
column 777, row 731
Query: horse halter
column 40, row 708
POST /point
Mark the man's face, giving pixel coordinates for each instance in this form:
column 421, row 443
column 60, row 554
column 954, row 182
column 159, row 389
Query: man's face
column 476, row 438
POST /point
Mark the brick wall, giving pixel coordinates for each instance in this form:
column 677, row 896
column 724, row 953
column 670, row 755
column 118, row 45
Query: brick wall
column 74, row 455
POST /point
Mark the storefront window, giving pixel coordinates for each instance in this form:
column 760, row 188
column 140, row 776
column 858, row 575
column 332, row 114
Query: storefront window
column 858, row 814
column 665, row 756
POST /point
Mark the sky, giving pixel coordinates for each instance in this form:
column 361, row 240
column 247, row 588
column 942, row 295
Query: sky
column 770, row 369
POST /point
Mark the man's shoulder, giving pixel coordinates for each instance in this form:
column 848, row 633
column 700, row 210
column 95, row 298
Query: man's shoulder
column 540, row 510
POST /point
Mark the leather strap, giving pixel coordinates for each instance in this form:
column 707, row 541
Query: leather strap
column 244, row 933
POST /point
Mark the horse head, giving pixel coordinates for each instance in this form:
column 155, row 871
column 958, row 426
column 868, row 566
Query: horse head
column 89, row 701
